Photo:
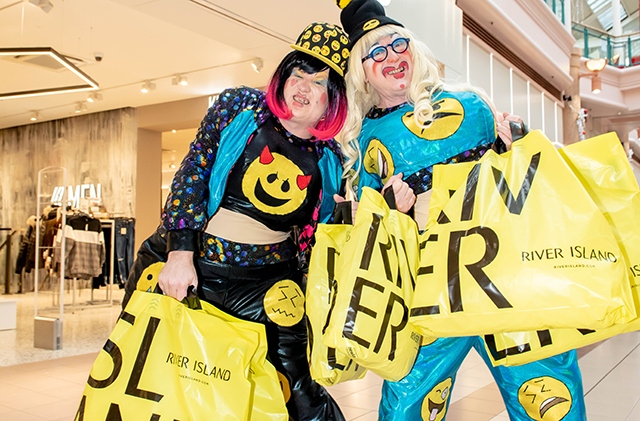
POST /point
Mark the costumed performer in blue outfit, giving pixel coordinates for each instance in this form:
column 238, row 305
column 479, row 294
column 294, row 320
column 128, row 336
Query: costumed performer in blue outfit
column 243, row 206
column 403, row 120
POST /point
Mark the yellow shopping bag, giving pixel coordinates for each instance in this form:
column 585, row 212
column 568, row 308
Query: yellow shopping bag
column 602, row 167
column 519, row 245
column 375, row 279
column 266, row 400
column 328, row 366
column 164, row 360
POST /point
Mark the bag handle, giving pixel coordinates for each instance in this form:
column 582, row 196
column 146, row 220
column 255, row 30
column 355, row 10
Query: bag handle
column 192, row 300
column 390, row 198
column 342, row 213
column 342, row 210
column 518, row 130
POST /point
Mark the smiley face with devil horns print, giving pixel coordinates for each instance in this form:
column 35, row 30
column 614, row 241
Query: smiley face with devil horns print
column 274, row 184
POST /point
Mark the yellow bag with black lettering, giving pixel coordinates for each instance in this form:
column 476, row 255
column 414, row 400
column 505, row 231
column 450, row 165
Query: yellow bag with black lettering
column 520, row 245
column 375, row 275
column 327, row 365
column 601, row 165
column 165, row 360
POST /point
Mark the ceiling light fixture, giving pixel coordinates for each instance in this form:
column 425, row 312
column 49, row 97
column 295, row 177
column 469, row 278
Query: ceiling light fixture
column 34, row 116
column 44, row 5
column 80, row 107
column 179, row 80
column 43, row 54
column 595, row 66
column 147, row 86
column 257, row 64
column 596, row 84
column 94, row 96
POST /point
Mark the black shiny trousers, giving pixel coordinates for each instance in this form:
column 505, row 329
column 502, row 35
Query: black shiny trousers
column 240, row 291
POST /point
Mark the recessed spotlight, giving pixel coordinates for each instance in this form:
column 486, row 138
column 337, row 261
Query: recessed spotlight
column 34, row 116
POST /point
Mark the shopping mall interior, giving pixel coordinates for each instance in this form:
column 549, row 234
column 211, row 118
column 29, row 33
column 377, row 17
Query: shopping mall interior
column 100, row 100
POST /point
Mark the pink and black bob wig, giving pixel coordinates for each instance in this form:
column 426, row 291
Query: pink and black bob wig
column 336, row 113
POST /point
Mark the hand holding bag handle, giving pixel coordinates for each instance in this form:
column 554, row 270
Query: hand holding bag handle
column 191, row 300
column 389, row 197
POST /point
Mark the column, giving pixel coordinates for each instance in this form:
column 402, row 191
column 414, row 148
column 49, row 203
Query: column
column 571, row 108
column 615, row 13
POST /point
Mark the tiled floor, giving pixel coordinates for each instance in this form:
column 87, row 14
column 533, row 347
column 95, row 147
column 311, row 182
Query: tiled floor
column 38, row 384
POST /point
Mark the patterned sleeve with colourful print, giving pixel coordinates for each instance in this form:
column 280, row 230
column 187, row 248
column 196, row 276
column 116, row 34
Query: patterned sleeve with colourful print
column 306, row 233
column 186, row 206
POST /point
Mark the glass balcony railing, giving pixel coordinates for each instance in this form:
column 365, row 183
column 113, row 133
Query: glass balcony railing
column 557, row 7
column 621, row 51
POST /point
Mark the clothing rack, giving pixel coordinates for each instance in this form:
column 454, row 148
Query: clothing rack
column 108, row 300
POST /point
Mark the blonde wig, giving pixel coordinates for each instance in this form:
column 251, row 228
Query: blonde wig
column 425, row 81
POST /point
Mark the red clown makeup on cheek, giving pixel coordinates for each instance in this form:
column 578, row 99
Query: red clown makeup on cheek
column 323, row 98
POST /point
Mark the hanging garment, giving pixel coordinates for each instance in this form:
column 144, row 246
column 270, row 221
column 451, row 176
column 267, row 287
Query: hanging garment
column 124, row 249
column 85, row 250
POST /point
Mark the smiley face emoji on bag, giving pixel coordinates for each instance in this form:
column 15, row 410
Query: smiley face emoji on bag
column 149, row 278
column 274, row 184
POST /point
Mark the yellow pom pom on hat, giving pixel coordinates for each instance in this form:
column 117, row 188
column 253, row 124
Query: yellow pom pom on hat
column 325, row 42
column 361, row 16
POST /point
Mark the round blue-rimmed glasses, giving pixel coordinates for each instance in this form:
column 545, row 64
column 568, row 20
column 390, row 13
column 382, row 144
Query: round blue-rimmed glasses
column 380, row 53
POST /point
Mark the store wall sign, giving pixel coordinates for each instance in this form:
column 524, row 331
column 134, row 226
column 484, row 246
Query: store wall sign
column 80, row 191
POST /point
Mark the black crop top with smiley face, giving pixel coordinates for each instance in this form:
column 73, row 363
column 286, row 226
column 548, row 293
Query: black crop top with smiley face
column 276, row 181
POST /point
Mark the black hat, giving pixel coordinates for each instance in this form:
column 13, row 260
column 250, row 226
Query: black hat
column 325, row 42
column 361, row 16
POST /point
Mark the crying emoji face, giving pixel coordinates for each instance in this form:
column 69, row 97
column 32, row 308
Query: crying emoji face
column 274, row 184
column 434, row 405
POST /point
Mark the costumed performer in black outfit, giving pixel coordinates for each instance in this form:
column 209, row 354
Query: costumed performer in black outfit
column 239, row 220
